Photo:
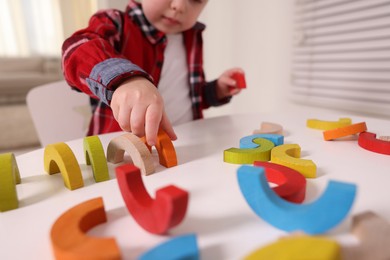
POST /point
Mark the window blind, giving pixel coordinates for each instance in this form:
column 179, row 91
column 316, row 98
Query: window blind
column 341, row 54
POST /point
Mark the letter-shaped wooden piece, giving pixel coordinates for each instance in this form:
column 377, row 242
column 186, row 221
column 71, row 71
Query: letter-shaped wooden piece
column 181, row 247
column 253, row 148
column 9, row 177
column 328, row 125
column 154, row 215
column 369, row 142
column 94, row 156
column 291, row 184
column 374, row 235
column 299, row 247
column 68, row 234
column 269, row 128
column 344, row 131
column 59, row 157
column 289, row 156
column 165, row 149
column 135, row 148
column 313, row 218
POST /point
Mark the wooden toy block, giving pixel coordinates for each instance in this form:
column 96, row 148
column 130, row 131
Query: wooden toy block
column 289, row 156
column 181, row 247
column 345, row 131
column 373, row 233
column 269, row 128
column 59, row 157
column 70, row 241
column 328, row 125
column 135, row 148
column 9, row 177
column 291, row 184
column 240, row 79
column 154, row 215
column 369, row 142
column 165, row 149
column 94, row 156
column 252, row 148
column 313, row 218
column 299, row 247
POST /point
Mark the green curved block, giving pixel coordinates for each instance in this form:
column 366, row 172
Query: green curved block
column 9, row 177
column 94, row 156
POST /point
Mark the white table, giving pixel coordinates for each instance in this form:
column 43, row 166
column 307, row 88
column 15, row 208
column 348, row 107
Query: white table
column 226, row 227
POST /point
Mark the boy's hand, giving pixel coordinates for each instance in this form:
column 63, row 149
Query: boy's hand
column 226, row 85
column 139, row 108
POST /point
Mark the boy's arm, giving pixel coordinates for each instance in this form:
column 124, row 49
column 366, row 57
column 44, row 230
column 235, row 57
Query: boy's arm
column 91, row 63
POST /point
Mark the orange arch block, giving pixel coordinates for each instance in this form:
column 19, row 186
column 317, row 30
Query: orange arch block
column 344, row 131
column 59, row 157
column 165, row 149
column 68, row 237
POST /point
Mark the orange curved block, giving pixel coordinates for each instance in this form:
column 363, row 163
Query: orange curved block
column 135, row 148
column 269, row 128
column 9, row 177
column 59, row 157
column 70, row 241
column 344, row 131
column 165, row 149
column 291, row 183
column 154, row 215
column 369, row 142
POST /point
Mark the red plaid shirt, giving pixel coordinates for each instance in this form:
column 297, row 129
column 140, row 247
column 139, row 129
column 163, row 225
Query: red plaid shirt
column 118, row 45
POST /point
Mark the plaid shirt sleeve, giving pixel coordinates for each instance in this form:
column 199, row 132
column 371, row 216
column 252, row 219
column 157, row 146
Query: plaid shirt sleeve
column 91, row 57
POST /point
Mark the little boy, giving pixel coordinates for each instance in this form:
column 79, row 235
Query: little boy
column 143, row 68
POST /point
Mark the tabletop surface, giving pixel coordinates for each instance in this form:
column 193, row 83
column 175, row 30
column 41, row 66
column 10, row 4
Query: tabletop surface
column 218, row 214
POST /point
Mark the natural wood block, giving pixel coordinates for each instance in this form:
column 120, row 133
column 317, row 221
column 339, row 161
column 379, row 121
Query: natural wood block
column 269, row 128
column 59, row 157
column 135, row 148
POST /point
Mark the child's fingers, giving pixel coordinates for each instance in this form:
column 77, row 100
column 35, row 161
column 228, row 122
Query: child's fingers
column 123, row 118
column 137, row 120
column 167, row 126
column 152, row 122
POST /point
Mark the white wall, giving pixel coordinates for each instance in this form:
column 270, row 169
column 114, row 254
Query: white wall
column 255, row 35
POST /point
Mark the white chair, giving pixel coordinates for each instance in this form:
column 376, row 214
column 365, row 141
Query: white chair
column 59, row 113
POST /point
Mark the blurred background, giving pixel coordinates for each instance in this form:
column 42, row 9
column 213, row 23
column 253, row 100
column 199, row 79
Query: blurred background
column 328, row 53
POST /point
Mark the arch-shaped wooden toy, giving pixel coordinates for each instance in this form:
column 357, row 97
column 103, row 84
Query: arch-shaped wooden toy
column 253, row 148
column 9, row 177
column 269, row 128
column 328, row 125
column 373, row 233
column 68, row 234
column 181, row 247
column 59, row 157
column 94, row 156
column 289, row 156
column 154, row 215
column 313, row 218
column 291, row 184
column 299, row 247
column 369, row 142
column 344, row 131
column 135, row 148
column 165, row 149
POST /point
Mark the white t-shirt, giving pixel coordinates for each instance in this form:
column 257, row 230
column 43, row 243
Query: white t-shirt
column 173, row 85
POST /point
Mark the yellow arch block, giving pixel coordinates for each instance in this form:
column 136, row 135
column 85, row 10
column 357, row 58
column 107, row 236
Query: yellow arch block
column 299, row 247
column 94, row 156
column 135, row 148
column 59, row 157
column 328, row 125
column 289, row 155
column 9, row 177
column 249, row 155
